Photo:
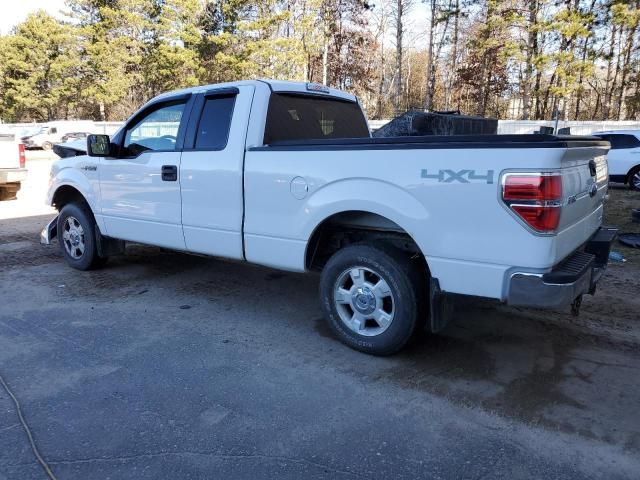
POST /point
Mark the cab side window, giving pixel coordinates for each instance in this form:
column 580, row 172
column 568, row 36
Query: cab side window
column 155, row 130
column 215, row 122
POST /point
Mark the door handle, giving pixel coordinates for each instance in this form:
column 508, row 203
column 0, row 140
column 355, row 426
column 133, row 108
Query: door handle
column 169, row 173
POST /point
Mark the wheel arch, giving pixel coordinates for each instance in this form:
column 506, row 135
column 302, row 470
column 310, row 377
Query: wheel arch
column 353, row 226
column 65, row 194
column 364, row 204
column 630, row 173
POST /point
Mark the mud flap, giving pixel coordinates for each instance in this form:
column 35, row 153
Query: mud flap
column 441, row 306
column 108, row 246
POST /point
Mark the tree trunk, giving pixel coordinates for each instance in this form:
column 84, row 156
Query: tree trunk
column 399, row 28
column 381, row 83
column 617, row 72
column 430, row 61
column 325, row 62
column 532, row 37
column 606, row 106
column 454, row 57
column 626, row 68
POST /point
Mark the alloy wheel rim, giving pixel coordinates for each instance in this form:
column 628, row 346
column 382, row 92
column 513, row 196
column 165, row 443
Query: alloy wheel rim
column 364, row 301
column 636, row 180
column 73, row 237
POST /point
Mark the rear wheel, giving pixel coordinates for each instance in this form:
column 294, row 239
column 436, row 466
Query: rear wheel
column 373, row 297
column 47, row 146
column 77, row 237
column 634, row 178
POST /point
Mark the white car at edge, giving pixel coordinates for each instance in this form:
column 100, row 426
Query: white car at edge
column 624, row 156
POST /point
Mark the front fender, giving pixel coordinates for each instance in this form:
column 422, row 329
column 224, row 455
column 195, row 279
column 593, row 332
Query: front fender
column 72, row 172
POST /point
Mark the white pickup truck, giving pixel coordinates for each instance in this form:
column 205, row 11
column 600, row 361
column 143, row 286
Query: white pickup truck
column 12, row 163
column 287, row 175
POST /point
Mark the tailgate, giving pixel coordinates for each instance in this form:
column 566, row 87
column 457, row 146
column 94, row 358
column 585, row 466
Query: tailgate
column 584, row 186
column 9, row 152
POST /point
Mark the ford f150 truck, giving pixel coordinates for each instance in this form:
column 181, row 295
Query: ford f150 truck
column 287, row 175
column 12, row 163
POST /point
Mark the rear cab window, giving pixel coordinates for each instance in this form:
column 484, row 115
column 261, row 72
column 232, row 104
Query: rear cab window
column 299, row 117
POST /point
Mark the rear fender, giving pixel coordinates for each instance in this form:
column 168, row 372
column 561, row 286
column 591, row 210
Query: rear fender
column 372, row 196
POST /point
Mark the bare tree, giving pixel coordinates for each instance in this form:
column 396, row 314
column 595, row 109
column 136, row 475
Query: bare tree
column 401, row 8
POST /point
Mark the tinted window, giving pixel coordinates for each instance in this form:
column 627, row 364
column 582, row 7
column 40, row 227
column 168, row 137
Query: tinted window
column 300, row 117
column 619, row 141
column 155, row 130
column 215, row 121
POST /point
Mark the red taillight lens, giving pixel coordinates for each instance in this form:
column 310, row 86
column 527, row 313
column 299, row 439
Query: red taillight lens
column 22, row 155
column 535, row 198
column 533, row 187
column 543, row 219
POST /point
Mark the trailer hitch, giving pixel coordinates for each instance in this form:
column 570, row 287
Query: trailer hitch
column 575, row 306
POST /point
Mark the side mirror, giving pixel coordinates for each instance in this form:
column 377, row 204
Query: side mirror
column 98, row 145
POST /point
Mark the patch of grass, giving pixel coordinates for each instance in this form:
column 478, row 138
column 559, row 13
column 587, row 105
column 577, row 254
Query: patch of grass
column 617, row 213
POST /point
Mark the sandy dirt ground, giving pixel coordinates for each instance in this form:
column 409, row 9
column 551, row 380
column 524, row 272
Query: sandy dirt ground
column 166, row 365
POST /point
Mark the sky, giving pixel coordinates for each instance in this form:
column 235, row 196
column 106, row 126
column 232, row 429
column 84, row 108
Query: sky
column 15, row 11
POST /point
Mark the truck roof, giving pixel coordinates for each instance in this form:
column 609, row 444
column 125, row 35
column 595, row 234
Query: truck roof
column 281, row 86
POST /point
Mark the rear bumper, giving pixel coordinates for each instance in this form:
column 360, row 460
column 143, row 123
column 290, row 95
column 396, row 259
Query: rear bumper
column 12, row 175
column 576, row 275
column 618, row 178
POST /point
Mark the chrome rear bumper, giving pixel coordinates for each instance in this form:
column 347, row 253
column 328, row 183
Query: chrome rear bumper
column 12, row 175
column 576, row 275
column 49, row 232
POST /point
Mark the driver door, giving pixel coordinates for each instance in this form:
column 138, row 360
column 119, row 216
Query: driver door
column 140, row 189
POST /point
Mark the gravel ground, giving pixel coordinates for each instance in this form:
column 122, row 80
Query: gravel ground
column 165, row 365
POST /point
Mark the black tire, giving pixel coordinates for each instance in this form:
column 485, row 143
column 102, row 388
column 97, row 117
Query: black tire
column 406, row 280
column 632, row 179
column 89, row 259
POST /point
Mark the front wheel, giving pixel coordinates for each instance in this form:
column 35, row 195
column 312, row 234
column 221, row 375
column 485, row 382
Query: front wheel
column 634, row 179
column 77, row 237
column 373, row 297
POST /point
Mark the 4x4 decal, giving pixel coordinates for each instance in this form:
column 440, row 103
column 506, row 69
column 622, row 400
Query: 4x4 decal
column 462, row 176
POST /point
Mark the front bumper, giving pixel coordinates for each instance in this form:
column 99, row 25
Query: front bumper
column 49, row 232
column 576, row 275
column 12, row 175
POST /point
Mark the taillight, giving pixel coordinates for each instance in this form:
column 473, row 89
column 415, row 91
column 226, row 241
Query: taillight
column 22, row 155
column 536, row 198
